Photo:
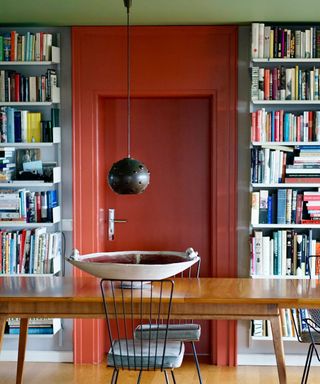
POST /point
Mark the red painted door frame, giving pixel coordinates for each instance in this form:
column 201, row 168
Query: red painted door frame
column 206, row 59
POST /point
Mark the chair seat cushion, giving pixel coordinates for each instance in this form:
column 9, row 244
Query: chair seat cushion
column 305, row 337
column 143, row 355
column 176, row 332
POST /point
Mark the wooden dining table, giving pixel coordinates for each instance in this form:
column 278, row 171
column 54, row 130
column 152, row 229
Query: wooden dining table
column 203, row 298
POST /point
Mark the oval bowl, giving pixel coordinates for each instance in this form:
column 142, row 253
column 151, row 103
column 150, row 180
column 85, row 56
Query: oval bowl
column 134, row 265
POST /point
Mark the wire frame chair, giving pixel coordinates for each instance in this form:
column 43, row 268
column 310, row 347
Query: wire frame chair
column 128, row 303
column 311, row 332
column 186, row 331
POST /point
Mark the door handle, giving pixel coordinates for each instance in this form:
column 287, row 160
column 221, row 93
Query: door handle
column 111, row 222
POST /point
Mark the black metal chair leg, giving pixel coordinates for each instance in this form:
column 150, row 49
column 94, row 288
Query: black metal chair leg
column 166, row 376
column 173, row 377
column 139, row 377
column 196, row 361
column 306, row 370
column 114, row 378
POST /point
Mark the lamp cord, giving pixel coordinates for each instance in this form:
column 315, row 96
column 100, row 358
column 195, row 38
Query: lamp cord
column 128, row 79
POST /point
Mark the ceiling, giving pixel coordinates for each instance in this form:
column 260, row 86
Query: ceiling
column 155, row 12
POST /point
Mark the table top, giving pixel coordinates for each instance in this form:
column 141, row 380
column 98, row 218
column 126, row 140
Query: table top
column 283, row 292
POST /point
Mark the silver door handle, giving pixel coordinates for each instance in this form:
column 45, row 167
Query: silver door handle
column 111, row 221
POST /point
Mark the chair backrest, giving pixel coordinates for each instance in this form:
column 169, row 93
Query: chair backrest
column 314, row 314
column 127, row 304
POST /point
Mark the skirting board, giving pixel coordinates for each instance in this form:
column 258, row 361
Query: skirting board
column 268, row 359
column 40, row 356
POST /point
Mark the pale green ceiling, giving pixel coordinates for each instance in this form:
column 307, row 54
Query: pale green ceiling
column 156, row 12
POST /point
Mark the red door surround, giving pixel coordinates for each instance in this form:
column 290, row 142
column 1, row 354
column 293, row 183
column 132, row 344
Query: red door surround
column 177, row 62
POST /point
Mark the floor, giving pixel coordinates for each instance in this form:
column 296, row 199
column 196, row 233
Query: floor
column 53, row 373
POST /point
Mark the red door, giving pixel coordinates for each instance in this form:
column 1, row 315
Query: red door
column 183, row 129
column 172, row 136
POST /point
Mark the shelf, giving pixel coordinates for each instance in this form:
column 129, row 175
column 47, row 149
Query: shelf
column 56, row 214
column 16, row 224
column 283, row 277
column 55, row 53
column 28, row 184
column 266, row 338
column 285, row 143
column 23, row 63
column 27, row 103
column 285, row 226
column 286, row 185
column 285, row 60
column 285, row 102
column 56, row 134
column 28, row 274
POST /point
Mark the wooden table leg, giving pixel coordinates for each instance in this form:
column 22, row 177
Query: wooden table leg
column 278, row 348
column 2, row 325
column 22, row 348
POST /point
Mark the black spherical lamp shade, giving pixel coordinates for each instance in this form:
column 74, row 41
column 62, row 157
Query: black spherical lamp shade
column 128, row 177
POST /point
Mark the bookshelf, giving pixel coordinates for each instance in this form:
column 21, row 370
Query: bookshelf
column 285, row 150
column 30, row 142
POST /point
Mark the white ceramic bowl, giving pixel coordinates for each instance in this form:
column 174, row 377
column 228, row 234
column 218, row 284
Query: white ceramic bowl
column 134, row 265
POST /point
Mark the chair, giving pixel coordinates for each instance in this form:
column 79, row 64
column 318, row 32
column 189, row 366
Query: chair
column 182, row 330
column 128, row 303
column 310, row 330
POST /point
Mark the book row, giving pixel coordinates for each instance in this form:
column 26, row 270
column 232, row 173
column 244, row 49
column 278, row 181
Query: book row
column 23, row 126
column 30, row 46
column 288, row 317
column 283, row 42
column 283, row 206
column 25, row 206
column 16, row 87
column 280, row 83
column 35, row 326
column 289, row 165
column 30, row 251
column 285, row 126
column 284, row 253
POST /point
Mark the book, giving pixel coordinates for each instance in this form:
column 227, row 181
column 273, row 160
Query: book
column 34, row 127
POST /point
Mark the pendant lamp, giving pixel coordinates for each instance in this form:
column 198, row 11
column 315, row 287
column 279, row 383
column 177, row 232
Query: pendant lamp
column 128, row 176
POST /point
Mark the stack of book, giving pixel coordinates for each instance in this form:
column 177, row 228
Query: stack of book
column 26, row 206
column 305, row 167
column 285, row 126
column 288, row 317
column 16, row 87
column 284, row 206
column 312, row 200
column 283, row 42
column 15, row 46
column 7, row 164
column 284, row 252
column 283, row 83
column 35, row 327
column 268, row 164
column 30, row 251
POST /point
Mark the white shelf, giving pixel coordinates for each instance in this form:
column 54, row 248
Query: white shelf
column 23, row 63
column 28, row 274
column 24, row 184
column 285, row 226
column 27, row 103
column 285, row 102
column 285, row 60
column 27, row 145
column 266, row 338
column 282, row 277
column 17, row 224
column 56, row 214
column 55, row 53
column 285, row 143
column 286, row 185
